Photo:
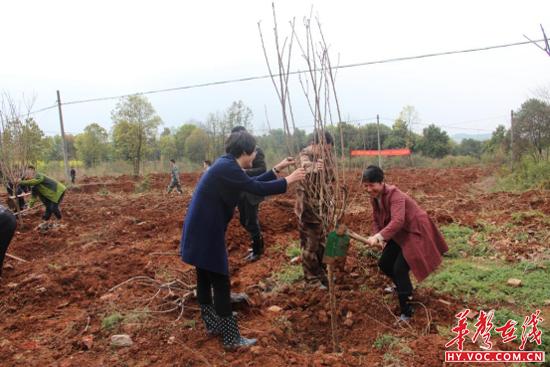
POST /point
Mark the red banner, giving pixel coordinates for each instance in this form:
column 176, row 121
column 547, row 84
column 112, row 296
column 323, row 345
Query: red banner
column 384, row 152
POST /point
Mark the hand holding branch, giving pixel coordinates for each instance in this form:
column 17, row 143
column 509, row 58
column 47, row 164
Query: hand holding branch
column 376, row 240
column 288, row 161
column 296, row 176
column 319, row 165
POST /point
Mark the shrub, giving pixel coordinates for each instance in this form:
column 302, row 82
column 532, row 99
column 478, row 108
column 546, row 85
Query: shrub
column 527, row 175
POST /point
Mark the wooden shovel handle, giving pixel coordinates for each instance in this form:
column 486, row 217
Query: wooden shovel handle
column 357, row 237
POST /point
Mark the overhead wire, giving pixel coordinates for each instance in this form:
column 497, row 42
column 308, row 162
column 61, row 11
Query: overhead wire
column 265, row 76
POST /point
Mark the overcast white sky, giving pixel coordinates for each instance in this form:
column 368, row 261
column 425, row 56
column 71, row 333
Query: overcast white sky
column 89, row 49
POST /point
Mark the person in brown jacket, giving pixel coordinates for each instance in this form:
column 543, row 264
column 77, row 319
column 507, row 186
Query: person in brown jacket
column 411, row 240
column 318, row 161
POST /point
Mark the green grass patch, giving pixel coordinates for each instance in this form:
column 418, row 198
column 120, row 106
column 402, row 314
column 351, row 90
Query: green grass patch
column 137, row 316
column 486, row 281
column 468, row 273
column 519, row 218
column 56, row 169
column 521, row 237
column 385, row 341
column 502, row 315
column 293, row 250
column 527, row 174
column 364, row 251
column 111, row 321
column 464, row 241
column 289, row 274
column 487, row 227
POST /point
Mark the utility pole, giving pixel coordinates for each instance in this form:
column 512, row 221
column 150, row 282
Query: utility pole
column 512, row 137
column 63, row 143
column 409, row 143
column 378, row 133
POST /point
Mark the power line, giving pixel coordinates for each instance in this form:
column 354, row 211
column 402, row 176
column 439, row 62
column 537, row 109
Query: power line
column 259, row 77
column 266, row 76
column 43, row 109
column 35, row 111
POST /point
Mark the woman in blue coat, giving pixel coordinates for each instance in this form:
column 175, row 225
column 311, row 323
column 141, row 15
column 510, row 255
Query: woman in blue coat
column 8, row 224
column 205, row 224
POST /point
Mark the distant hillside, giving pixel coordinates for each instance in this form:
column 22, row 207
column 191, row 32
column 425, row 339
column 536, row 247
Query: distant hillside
column 459, row 137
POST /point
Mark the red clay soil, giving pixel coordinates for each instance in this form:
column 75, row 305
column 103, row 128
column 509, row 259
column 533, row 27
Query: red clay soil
column 52, row 308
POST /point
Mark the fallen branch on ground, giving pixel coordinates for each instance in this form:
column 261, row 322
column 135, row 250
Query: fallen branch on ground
column 169, row 296
column 428, row 317
column 401, row 324
column 16, row 258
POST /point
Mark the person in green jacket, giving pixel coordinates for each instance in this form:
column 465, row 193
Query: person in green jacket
column 48, row 190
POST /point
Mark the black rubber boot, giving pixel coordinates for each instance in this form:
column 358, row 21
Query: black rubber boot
column 258, row 245
column 211, row 320
column 232, row 338
column 405, row 306
column 257, row 248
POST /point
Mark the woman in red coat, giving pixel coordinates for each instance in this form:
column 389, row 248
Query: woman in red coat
column 411, row 240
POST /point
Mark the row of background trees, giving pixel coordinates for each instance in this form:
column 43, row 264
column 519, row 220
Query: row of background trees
column 135, row 136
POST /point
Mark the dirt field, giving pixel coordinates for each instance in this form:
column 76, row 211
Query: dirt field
column 59, row 310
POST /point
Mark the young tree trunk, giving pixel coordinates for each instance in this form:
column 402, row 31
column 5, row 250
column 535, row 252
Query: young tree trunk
column 136, row 167
column 137, row 160
column 333, row 310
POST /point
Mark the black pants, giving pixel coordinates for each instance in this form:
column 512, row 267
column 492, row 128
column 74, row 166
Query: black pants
column 52, row 208
column 248, row 215
column 20, row 191
column 7, row 229
column 175, row 184
column 394, row 265
column 73, row 178
column 208, row 280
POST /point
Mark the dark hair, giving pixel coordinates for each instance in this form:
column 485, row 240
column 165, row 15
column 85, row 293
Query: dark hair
column 240, row 143
column 373, row 174
column 208, row 162
column 315, row 138
column 173, row 160
column 238, row 129
column 30, row 166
